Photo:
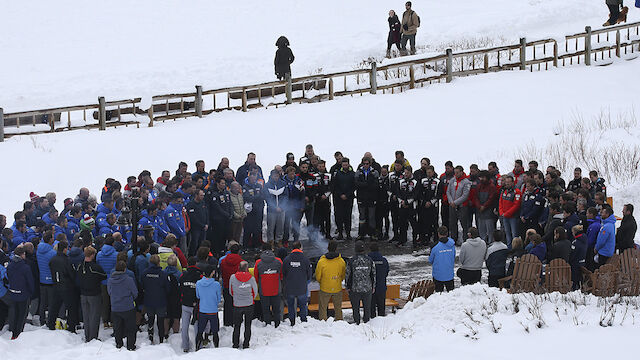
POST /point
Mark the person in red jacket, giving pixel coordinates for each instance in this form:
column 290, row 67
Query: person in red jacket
column 484, row 198
column 268, row 274
column 229, row 266
column 509, row 208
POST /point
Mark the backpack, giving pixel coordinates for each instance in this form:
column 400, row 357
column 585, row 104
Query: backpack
column 418, row 16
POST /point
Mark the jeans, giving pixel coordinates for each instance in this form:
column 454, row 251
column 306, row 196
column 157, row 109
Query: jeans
column 486, row 227
column 124, row 324
column 510, row 228
column 196, row 238
column 275, row 226
column 301, row 301
column 160, row 313
column 355, row 305
column 185, row 321
column 440, row 285
column 411, row 39
column 323, row 304
column 91, row 306
column 240, row 315
column 292, row 221
column 271, row 309
column 214, row 325
column 377, row 303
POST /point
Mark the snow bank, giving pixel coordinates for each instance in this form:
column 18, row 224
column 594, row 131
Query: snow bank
column 471, row 322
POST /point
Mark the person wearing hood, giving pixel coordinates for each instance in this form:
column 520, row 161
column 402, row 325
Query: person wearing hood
column 44, row 254
column 221, row 213
column 578, row 255
column 106, row 258
column 21, row 287
column 496, row 258
column 606, row 241
column 155, row 283
column 169, row 247
column 472, row 255
column 360, row 281
column 189, row 301
column 229, row 266
column 330, row 272
column 276, row 194
column 243, row 289
column 442, row 259
column 394, row 32
column 297, row 272
column 378, row 297
column 123, row 291
column 627, row 231
column 268, row 274
column 284, row 58
column 90, row 275
column 64, row 291
column 209, row 292
column 175, row 220
column 458, row 192
column 174, row 311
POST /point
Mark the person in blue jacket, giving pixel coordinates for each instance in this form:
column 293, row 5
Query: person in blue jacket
column 606, row 241
column 149, row 217
column 74, row 216
column 50, row 218
column 122, row 291
column 531, row 207
column 44, row 254
column 209, row 292
column 5, row 300
column 106, row 207
column 539, row 248
column 382, row 271
column 70, row 228
column 21, row 287
column 173, row 217
column 20, row 234
column 594, row 223
column 442, row 258
column 106, row 258
column 106, row 224
column 155, row 283
column 571, row 219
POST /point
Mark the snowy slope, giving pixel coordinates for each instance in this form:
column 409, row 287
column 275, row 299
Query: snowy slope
column 471, row 322
column 473, row 120
column 67, row 52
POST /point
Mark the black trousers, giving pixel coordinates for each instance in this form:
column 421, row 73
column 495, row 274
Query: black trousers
column 428, row 222
column 160, row 314
column 391, row 41
column 468, row 277
column 252, row 226
column 240, row 315
column 406, row 216
column 342, row 211
column 124, row 325
column 322, row 216
column 493, row 280
column 355, row 298
column 67, row 297
column 441, row 285
column 366, row 221
column 377, row 303
column 17, row 317
column 196, row 236
column 271, row 309
column 5, row 302
column 382, row 218
column 614, row 13
column 219, row 232
column 227, row 316
column 444, row 216
column 395, row 218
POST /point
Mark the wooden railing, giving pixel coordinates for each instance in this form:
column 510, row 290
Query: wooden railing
column 586, row 47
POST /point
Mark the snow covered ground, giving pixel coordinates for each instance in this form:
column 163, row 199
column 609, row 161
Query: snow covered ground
column 471, row 322
column 69, row 52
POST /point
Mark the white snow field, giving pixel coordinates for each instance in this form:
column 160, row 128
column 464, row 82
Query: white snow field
column 471, row 322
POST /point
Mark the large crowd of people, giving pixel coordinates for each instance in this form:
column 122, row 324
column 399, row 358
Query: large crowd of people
column 194, row 232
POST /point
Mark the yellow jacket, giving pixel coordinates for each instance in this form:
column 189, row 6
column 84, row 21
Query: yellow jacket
column 330, row 273
column 257, row 298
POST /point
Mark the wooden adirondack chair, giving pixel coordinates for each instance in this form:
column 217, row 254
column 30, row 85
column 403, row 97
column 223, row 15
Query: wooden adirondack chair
column 602, row 282
column 558, row 276
column 629, row 277
column 526, row 275
column 423, row 288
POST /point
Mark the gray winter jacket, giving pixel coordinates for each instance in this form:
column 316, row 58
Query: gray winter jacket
column 461, row 194
column 472, row 254
column 243, row 288
column 361, row 274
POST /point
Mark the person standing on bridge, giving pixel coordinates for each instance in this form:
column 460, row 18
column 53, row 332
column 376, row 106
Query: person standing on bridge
column 284, row 58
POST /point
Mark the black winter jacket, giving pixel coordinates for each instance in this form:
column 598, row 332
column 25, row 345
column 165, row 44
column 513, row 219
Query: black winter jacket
column 90, row 275
column 62, row 272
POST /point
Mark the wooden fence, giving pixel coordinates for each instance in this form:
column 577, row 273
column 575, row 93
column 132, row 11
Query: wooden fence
column 589, row 47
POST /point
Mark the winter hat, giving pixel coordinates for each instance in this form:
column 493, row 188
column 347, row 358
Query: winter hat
column 33, row 197
column 88, row 220
column 359, row 247
column 68, row 201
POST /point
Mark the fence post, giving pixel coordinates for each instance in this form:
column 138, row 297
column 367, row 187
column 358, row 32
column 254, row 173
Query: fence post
column 288, row 88
column 555, row 54
column 618, row 43
column 244, row 100
column 587, row 46
column 102, row 113
column 151, row 114
column 373, row 77
column 198, row 104
column 330, row 88
column 523, row 53
column 412, row 77
column 1, row 125
column 486, row 62
column 449, row 65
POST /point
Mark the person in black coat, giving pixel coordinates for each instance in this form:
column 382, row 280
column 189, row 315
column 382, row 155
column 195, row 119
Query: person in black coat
column 220, row 214
column 496, row 258
column 394, row 32
column 284, row 58
column 156, row 289
column 367, row 189
column 90, row 275
column 626, row 233
column 343, row 187
column 578, row 255
column 21, row 286
column 561, row 245
column 64, row 292
column 199, row 217
column 382, row 271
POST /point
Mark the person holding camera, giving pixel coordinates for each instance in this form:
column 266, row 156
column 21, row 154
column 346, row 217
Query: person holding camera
column 410, row 25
